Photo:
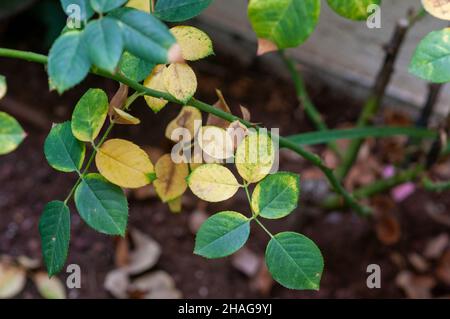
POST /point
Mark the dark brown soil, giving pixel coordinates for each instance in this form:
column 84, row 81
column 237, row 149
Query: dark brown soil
column 348, row 242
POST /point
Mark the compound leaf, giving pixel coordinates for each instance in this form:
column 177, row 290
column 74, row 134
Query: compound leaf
column 102, row 205
column 222, row 234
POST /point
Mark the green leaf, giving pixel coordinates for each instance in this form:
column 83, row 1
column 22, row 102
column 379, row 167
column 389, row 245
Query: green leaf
column 179, row 10
column 294, row 261
column 90, row 115
column 287, row 23
column 3, row 86
column 276, row 196
column 144, row 36
column 103, row 6
column 62, row 150
column 353, row 9
column 222, row 234
column 313, row 138
column 134, row 68
column 104, row 41
column 68, row 61
column 102, row 205
column 431, row 60
column 54, row 228
column 84, row 5
column 11, row 133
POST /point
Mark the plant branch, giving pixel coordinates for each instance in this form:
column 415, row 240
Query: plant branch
column 377, row 187
column 283, row 142
column 431, row 186
column 305, row 100
column 378, row 91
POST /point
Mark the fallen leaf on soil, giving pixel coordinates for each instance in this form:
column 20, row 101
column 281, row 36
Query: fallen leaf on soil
column 414, row 286
column 246, row 261
column 28, row 263
column 443, row 268
column 387, row 226
column 156, row 285
column 436, row 246
column 145, row 254
column 49, row 288
column 418, row 262
column 12, row 279
column 116, row 283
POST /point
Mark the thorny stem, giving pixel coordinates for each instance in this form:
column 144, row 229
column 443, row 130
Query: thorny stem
column 284, row 142
column 305, row 100
column 379, row 89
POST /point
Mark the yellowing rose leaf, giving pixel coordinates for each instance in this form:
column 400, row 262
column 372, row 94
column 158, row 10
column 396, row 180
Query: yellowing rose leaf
column 213, row 183
column 155, row 81
column 439, row 9
column 215, row 142
column 122, row 117
column 175, row 205
column 124, row 164
column 195, row 44
column 180, row 81
column 190, row 119
column 255, row 157
column 170, row 180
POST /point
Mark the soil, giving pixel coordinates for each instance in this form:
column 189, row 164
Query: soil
column 348, row 243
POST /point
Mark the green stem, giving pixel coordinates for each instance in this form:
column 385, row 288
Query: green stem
column 305, row 100
column 283, row 142
column 377, row 187
column 431, row 186
column 263, row 227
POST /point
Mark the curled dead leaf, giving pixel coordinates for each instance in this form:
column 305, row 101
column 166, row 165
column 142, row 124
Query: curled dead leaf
column 414, row 286
column 145, row 254
column 12, row 279
column 119, row 99
column 222, row 105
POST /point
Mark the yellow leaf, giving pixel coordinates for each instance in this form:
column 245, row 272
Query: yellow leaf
column 12, row 280
column 186, row 119
column 215, row 142
column 170, row 180
column 222, row 105
column 49, row 288
column 122, row 117
column 175, row 205
column 143, row 5
column 439, row 9
column 213, row 183
column 180, row 81
column 124, row 163
column 255, row 157
column 195, row 44
column 155, row 81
